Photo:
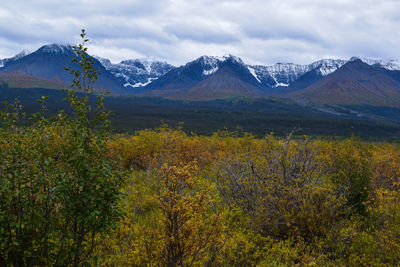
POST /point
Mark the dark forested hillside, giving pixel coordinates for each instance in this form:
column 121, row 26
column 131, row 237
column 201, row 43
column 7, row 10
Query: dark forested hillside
column 257, row 116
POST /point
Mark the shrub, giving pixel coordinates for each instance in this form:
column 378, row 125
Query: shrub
column 58, row 188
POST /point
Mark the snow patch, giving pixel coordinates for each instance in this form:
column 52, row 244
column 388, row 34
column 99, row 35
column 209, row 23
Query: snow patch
column 253, row 72
column 146, row 64
column 149, row 80
column 278, row 83
column 210, row 71
column 232, row 58
column 56, row 48
column 327, row 70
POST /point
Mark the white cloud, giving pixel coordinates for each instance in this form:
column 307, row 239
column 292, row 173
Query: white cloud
column 177, row 31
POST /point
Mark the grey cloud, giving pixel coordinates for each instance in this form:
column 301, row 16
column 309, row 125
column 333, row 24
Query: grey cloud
column 177, row 31
column 117, row 28
column 204, row 32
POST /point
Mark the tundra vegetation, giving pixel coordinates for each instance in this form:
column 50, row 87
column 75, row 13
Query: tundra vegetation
column 74, row 194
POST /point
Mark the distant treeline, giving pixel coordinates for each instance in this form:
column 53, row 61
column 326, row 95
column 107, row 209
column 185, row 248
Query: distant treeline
column 256, row 116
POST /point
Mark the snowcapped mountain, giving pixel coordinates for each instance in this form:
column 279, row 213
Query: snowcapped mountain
column 232, row 78
column 211, row 64
column 48, row 62
column 137, row 72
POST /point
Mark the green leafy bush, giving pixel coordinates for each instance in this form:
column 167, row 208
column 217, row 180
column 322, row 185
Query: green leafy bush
column 58, row 188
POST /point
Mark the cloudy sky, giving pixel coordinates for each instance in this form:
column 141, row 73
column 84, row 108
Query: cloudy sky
column 177, row 31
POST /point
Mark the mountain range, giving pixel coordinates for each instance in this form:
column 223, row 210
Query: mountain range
column 329, row 81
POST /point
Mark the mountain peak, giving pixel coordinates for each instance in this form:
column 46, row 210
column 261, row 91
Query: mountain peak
column 354, row 58
column 207, row 60
column 215, row 60
column 232, row 58
column 55, row 48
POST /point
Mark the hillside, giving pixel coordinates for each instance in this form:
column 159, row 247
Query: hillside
column 18, row 80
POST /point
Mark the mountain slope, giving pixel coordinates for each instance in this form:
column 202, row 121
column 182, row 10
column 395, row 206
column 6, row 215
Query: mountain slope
column 16, row 80
column 355, row 83
column 48, row 62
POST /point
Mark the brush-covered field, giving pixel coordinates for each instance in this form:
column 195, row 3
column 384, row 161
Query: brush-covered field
column 241, row 201
column 189, row 200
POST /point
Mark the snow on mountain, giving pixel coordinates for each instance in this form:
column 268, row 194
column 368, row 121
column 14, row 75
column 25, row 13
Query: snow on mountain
column 232, row 58
column 105, row 62
column 253, row 72
column 326, row 66
column 136, row 72
column 280, row 74
column 211, row 64
column 279, row 84
column 390, row 65
column 208, row 64
column 149, row 80
column 210, row 71
column 56, row 48
column 21, row 54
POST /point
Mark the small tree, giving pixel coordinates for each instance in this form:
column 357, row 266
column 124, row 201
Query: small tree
column 186, row 229
column 58, row 188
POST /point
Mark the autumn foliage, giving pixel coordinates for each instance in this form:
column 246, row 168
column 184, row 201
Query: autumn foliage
column 226, row 200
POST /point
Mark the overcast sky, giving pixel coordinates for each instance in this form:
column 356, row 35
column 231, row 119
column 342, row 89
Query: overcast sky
column 177, row 31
